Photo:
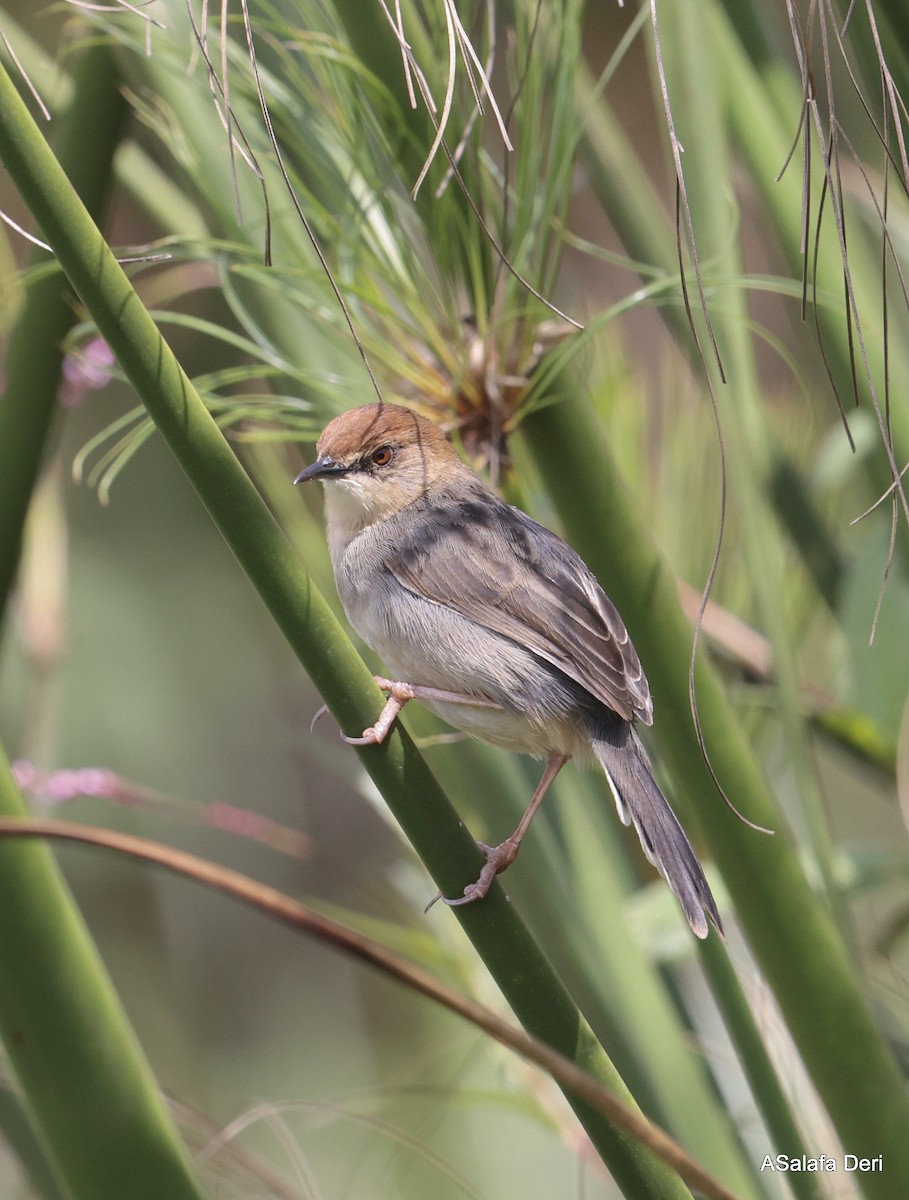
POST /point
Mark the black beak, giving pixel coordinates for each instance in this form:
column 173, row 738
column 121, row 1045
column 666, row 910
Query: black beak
column 322, row 468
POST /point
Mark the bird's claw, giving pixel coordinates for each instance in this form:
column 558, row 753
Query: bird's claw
column 398, row 695
column 320, row 712
column 497, row 859
column 369, row 737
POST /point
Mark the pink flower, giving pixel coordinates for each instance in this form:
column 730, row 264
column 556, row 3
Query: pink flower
column 85, row 371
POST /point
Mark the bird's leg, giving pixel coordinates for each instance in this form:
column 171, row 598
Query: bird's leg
column 398, row 695
column 502, row 856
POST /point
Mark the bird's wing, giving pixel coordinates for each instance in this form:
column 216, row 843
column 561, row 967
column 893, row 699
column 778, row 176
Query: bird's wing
column 496, row 566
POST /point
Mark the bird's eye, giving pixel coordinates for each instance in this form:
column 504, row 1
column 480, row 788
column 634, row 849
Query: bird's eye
column 381, row 457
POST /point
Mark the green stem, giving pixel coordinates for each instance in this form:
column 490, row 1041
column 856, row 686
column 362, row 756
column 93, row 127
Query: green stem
column 760, row 1071
column 22, row 1142
column 692, row 69
column 763, row 137
column 87, row 1086
column 629, row 198
column 35, row 354
column 790, row 932
column 521, row 971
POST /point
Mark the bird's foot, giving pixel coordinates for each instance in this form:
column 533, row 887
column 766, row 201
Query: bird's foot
column 399, row 693
column 498, row 858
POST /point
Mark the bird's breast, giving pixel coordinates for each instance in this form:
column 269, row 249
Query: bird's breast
column 422, row 642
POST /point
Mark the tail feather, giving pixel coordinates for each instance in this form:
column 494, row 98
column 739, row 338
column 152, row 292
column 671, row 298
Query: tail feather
column 640, row 802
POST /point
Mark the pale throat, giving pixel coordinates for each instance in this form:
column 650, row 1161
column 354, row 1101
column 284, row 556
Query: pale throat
column 354, row 502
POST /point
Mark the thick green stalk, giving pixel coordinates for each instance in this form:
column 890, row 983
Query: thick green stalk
column 759, row 1069
column 34, row 355
column 790, row 932
column 628, row 196
column 763, row 137
column 535, row 994
column 574, row 875
column 691, row 63
column 88, row 1088
column 22, row 1142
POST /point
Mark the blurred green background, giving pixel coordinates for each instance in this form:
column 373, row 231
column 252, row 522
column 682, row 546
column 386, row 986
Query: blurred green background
column 136, row 644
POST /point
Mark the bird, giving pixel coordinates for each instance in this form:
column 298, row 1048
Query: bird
column 494, row 623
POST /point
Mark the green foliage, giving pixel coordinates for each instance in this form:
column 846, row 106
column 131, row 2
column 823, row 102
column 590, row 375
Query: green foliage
column 636, row 435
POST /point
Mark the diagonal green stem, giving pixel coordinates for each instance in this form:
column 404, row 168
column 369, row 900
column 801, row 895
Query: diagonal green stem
column 87, row 1086
column 534, row 992
column 763, row 1079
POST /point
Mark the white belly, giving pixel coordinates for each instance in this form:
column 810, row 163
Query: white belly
column 424, row 643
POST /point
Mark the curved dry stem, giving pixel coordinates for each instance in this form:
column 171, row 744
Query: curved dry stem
column 348, row 941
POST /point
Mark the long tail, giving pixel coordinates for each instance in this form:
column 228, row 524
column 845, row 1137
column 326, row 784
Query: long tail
column 640, row 802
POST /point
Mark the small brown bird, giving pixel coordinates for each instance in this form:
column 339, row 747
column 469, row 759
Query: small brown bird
column 494, row 623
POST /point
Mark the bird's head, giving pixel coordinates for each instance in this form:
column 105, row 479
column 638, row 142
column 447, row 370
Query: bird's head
column 378, row 459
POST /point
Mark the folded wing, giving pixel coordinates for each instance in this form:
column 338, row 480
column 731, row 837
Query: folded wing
column 556, row 609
